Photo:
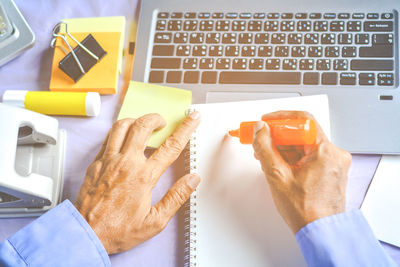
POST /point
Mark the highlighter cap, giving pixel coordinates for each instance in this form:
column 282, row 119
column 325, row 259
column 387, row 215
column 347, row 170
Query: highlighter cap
column 15, row 98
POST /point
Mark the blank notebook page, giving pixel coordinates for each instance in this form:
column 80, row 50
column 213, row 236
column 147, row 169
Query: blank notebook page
column 237, row 223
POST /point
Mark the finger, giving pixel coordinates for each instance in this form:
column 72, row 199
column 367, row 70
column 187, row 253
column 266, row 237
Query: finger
column 176, row 196
column 169, row 151
column 288, row 114
column 141, row 131
column 103, row 147
column 271, row 160
column 117, row 136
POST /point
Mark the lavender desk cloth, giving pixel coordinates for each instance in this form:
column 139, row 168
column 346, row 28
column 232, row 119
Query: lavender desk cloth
column 31, row 71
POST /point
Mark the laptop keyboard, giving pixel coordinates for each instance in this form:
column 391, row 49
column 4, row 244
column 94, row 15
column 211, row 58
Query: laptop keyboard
column 275, row 48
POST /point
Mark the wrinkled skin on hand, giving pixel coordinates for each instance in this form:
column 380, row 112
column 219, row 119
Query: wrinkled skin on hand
column 307, row 183
column 115, row 197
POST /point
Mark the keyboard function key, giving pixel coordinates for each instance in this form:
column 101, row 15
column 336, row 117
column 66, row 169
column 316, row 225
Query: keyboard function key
column 329, row 16
column 156, row 76
column 259, row 15
column 231, row 15
column 163, row 15
column 301, row 16
column 344, row 16
column 245, row 15
column 287, row 16
column 273, row 15
column 372, row 16
column 366, row 78
column 311, row 78
column 348, row 78
column 315, row 16
column 176, row 15
column 387, row 16
column 358, row 16
column 190, row 15
column 174, row 77
column 385, row 79
column 218, row 15
column 329, row 78
column 204, row 15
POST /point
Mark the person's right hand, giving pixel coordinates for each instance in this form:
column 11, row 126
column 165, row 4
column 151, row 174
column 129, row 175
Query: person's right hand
column 307, row 183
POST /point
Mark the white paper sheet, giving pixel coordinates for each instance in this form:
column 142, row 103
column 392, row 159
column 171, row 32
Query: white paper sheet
column 237, row 222
column 381, row 205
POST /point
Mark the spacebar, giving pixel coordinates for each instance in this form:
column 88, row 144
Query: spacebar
column 253, row 77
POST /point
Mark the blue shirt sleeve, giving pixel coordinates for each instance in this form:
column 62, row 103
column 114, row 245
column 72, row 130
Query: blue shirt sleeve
column 60, row 237
column 343, row 239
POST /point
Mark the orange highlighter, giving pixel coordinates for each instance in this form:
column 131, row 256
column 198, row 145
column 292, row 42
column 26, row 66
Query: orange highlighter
column 286, row 132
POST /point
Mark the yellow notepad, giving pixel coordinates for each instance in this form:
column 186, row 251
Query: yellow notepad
column 102, row 77
column 170, row 103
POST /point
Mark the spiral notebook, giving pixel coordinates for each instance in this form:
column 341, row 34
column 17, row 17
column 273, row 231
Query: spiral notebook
column 231, row 218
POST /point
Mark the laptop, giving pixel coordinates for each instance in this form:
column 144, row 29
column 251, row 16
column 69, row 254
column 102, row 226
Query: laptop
column 255, row 49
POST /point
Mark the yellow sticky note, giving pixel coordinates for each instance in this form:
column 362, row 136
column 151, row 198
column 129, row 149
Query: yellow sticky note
column 170, row 103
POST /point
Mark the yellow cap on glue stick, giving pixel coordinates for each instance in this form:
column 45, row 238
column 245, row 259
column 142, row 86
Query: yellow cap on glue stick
column 55, row 103
column 285, row 132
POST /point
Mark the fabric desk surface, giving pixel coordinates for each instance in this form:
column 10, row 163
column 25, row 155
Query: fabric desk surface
column 31, row 71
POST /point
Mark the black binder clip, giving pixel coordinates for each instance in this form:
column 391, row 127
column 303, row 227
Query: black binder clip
column 80, row 59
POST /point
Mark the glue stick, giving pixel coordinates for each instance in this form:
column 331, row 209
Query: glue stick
column 286, row 132
column 55, row 103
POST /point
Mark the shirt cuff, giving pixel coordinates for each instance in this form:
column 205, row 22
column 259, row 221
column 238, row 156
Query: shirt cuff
column 60, row 237
column 343, row 239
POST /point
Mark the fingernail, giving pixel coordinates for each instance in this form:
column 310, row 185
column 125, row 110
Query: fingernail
column 258, row 126
column 195, row 115
column 193, row 181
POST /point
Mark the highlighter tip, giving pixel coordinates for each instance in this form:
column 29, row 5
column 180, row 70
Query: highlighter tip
column 235, row 133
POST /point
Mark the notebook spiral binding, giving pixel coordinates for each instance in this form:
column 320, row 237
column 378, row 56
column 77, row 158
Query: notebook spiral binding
column 190, row 208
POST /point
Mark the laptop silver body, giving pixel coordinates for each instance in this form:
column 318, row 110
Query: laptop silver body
column 364, row 119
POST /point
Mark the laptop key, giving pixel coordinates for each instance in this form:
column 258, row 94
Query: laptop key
column 349, row 51
column 332, row 51
column 311, row 38
column 273, row 15
column 245, row 15
column 273, row 64
column 245, row 38
column 345, row 38
column 249, row 51
column 328, row 38
column 163, row 15
column 348, row 78
column 204, row 15
column 259, row 77
column 206, row 25
column 229, row 38
column 216, row 51
column 199, row 50
column 385, row 79
column 354, row 26
column 315, row 51
column 344, row 15
column 340, row 64
column 196, row 38
column 231, row 15
column 323, row 64
column 383, row 65
column 223, row 63
column 329, row 78
column 301, row 15
column 376, row 51
column 190, row 15
column 156, row 76
column 311, row 78
column 174, row 76
column 163, row 37
column 259, row 15
column 298, row 51
column 306, row 64
column 287, row 16
column 287, row 25
column 209, row 77
column 362, row 38
column 165, row 63
column 337, row 26
column 183, row 50
column 232, row 51
column 278, row 38
column 261, row 38
column 289, row 64
column 222, row 25
column 191, row 77
column 382, row 39
column 213, row 38
column 281, row 51
column 378, row 26
column 181, row 37
column 206, row 63
column 163, row 50
column 265, row 51
column 315, row 16
column 295, row 38
column 256, row 64
column 320, row 26
column 387, row 16
column 239, row 63
column 190, row 63
column 218, row 15
column 254, row 26
column 304, row 26
column 174, row 25
column 358, row 16
column 190, row 25
column 366, row 78
column 238, row 25
column 372, row 16
column 161, row 25
column 271, row 26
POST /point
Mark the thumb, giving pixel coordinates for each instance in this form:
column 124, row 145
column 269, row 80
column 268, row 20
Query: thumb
column 273, row 165
column 176, row 196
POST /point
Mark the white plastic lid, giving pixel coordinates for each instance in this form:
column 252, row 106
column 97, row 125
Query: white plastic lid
column 15, row 98
column 93, row 104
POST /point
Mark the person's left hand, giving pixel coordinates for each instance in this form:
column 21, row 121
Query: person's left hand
column 115, row 197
